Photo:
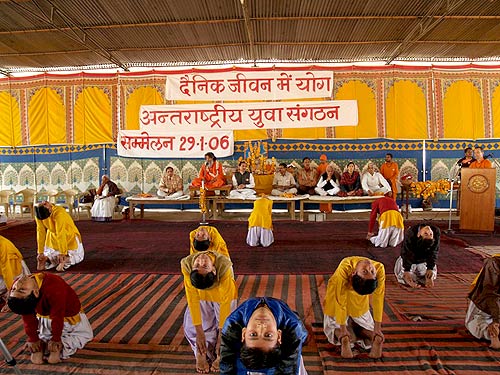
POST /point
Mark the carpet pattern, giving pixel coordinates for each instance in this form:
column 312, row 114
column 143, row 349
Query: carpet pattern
column 147, row 246
column 137, row 322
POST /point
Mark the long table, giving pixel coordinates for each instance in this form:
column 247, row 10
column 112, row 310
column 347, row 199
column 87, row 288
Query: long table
column 141, row 201
column 290, row 202
column 334, row 200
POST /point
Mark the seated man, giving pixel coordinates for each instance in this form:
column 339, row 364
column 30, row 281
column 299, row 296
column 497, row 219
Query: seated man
column 243, row 182
column 170, row 184
column 328, row 183
column 417, row 264
column 211, row 174
column 11, row 266
column 105, row 201
column 307, row 177
column 374, row 183
column 347, row 305
column 211, row 295
column 58, row 240
column 390, row 223
column 52, row 314
column 283, row 182
column 205, row 238
column 483, row 315
column 263, row 334
column 260, row 223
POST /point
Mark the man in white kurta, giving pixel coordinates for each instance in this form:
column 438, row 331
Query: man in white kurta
column 105, row 200
column 373, row 182
column 243, row 183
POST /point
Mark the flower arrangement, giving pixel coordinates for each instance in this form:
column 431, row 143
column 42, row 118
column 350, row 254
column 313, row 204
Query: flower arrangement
column 428, row 189
column 258, row 163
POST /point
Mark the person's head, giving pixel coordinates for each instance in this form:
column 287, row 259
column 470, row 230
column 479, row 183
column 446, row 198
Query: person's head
column 104, row 178
column 388, row 157
column 425, row 236
column 43, row 210
column 169, row 171
column 24, row 295
column 201, row 240
column 261, row 340
column 468, row 152
column 282, row 168
column 350, row 167
column 329, row 170
column 323, row 158
column 370, row 168
column 203, row 272
column 478, row 153
column 210, row 157
column 242, row 166
column 306, row 162
column 364, row 277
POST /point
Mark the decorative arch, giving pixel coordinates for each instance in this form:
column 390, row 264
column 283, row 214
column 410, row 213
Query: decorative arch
column 406, row 111
column 463, row 111
column 92, row 117
column 47, row 117
column 10, row 120
column 367, row 110
column 145, row 95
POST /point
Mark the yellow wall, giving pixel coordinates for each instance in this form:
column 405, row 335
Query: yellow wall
column 46, row 118
column 463, row 111
column 10, row 120
column 495, row 105
column 92, row 117
column 141, row 96
column 406, row 111
column 367, row 111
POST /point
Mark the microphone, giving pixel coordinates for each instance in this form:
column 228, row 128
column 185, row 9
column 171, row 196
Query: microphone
column 489, row 156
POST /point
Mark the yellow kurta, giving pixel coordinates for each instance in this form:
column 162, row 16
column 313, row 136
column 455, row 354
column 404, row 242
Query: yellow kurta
column 262, row 213
column 58, row 232
column 10, row 261
column 342, row 301
column 223, row 291
column 217, row 243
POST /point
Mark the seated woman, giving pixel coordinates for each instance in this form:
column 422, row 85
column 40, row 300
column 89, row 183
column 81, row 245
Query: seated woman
column 263, row 336
column 350, row 182
column 105, row 201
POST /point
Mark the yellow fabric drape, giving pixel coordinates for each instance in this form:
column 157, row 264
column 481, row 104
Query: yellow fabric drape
column 10, row 121
column 93, row 118
column 463, row 111
column 367, row 111
column 46, row 118
column 406, row 111
column 141, row 96
column 495, row 109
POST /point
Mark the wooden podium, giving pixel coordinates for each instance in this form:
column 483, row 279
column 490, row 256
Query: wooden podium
column 477, row 199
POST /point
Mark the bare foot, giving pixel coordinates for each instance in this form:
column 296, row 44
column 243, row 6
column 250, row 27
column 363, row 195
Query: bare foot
column 345, row 348
column 215, row 365
column 494, row 331
column 37, row 358
column 202, row 366
column 40, row 263
column 376, row 351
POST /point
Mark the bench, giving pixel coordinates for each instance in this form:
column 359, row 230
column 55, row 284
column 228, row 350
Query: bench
column 334, row 200
column 142, row 201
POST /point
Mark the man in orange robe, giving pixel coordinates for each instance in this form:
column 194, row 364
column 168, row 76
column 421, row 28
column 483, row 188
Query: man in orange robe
column 390, row 171
column 211, row 173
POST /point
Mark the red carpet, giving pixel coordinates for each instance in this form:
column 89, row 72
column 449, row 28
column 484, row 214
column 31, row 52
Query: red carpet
column 299, row 248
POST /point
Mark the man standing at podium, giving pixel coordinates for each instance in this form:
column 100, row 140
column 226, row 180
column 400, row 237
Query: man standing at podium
column 480, row 161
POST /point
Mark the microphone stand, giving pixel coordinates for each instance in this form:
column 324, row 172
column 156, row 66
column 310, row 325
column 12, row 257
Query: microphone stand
column 452, row 176
column 8, row 358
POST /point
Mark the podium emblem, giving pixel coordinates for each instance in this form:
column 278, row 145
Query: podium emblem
column 478, row 184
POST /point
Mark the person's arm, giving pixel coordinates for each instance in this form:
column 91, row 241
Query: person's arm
column 251, row 183
column 61, row 231
column 357, row 184
column 57, row 303
column 434, row 249
column 178, row 185
column 31, row 327
column 163, row 185
column 364, row 183
column 292, row 182
column 234, row 181
column 321, row 182
column 227, row 287
column 378, row 294
column 41, row 233
column 373, row 216
column 383, row 181
column 406, row 251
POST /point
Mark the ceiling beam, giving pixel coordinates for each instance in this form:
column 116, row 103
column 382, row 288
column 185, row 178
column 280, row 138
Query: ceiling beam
column 429, row 22
column 248, row 27
column 49, row 12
